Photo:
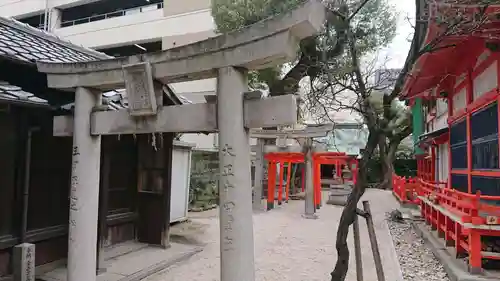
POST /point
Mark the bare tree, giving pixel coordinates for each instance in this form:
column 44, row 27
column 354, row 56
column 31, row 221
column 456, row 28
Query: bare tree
column 340, row 78
column 388, row 120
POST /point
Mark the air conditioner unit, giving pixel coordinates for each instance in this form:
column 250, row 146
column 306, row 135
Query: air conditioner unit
column 281, row 142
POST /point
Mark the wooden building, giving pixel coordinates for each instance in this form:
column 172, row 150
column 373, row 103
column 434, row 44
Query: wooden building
column 135, row 181
column 453, row 89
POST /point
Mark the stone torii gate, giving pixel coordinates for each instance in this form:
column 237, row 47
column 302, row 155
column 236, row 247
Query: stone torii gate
column 227, row 57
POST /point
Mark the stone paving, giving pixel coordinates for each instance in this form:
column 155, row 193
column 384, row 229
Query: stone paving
column 289, row 247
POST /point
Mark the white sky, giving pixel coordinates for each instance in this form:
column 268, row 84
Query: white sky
column 394, row 55
column 398, row 50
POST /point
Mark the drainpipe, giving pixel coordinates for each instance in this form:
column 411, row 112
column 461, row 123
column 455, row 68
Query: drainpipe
column 46, row 16
column 26, row 186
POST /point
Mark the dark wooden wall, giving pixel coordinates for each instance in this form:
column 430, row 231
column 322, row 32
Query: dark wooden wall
column 50, row 172
column 118, row 189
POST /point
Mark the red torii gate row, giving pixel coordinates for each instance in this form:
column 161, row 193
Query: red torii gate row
column 320, row 158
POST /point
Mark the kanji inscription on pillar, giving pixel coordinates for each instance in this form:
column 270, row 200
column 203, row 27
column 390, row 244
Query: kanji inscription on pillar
column 24, row 262
column 140, row 89
column 227, row 177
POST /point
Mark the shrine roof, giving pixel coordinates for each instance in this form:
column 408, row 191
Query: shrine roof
column 447, row 52
column 14, row 94
column 117, row 99
column 23, row 43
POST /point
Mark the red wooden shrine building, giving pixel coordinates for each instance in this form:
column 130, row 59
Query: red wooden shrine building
column 276, row 180
column 454, row 93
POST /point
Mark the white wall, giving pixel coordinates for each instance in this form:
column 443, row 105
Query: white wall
column 202, row 141
column 201, row 87
column 189, row 25
column 136, row 28
column 24, row 8
column 181, row 172
column 442, row 163
column 460, row 100
column 441, row 119
column 486, row 81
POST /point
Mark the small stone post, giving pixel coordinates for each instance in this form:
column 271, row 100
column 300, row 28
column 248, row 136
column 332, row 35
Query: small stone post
column 259, row 176
column 84, row 194
column 235, row 185
column 24, row 262
column 309, row 196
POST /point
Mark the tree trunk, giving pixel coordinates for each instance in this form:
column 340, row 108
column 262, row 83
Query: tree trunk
column 382, row 151
column 349, row 212
column 388, row 164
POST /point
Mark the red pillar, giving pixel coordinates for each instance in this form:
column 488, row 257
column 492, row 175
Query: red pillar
column 280, row 182
column 433, row 164
column 317, row 184
column 475, row 262
column 320, row 195
column 355, row 172
column 271, row 184
column 288, row 180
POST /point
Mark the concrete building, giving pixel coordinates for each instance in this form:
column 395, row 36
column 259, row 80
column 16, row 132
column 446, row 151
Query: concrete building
column 123, row 28
column 117, row 27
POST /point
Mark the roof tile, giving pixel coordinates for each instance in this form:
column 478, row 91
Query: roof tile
column 11, row 93
column 22, row 42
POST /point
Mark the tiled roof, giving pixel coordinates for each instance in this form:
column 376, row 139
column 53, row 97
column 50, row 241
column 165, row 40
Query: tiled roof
column 22, row 42
column 15, row 94
column 117, row 100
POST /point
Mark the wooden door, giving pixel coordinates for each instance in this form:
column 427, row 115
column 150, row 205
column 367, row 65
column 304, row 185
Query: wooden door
column 154, row 185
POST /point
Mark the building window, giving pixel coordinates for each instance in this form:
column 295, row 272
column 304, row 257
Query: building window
column 459, row 182
column 458, row 143
column 487, row 186
column 37, row 21
column 101, row 10
column 134, row 49
column 484, row 135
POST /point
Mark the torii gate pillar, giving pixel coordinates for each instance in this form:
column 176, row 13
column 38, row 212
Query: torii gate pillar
column 310, row 208
column 84, row 193
column 235, row 188
column 262, row 45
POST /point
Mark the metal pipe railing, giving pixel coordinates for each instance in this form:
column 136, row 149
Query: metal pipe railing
column 119, row 13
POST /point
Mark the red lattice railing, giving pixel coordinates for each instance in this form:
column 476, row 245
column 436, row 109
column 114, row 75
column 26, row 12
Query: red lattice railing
column 462, row 219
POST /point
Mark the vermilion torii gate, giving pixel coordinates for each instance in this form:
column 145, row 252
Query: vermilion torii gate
column 304, row 136
column 227, row 57
column 318, row 159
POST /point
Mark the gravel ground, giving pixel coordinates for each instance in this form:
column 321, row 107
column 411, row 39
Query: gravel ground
column 291, row 248
column 416, row 259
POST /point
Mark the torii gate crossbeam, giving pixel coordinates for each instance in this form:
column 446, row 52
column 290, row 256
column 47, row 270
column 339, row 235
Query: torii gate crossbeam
column 305, row 135
column 227, row 57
